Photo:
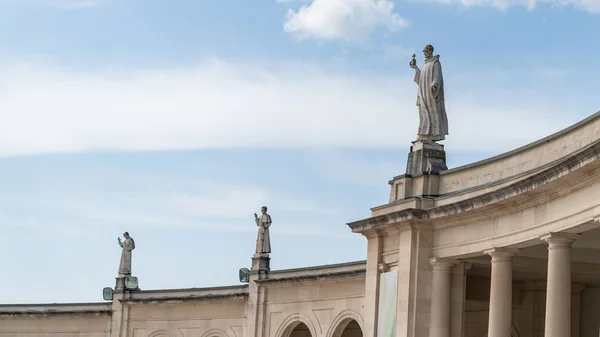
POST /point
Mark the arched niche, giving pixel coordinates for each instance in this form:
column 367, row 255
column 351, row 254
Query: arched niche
column 296, row 325
column 348, row 327
column 300, row 330
column 347, row 323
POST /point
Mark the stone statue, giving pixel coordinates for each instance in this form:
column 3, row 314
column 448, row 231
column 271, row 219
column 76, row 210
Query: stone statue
column 128, row 246
column 263, row 240
column 433, row 122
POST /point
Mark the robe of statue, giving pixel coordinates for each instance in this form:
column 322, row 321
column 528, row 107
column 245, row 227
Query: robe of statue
column 433, row 122
column 263, row 241
column 125, row 265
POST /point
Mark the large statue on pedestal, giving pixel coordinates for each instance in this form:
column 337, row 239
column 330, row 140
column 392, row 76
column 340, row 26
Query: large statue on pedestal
column 263, row 240
column 433, row 122
column 127, row 247
column 427, row 157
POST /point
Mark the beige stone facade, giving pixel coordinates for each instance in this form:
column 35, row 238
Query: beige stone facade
column 509, row 246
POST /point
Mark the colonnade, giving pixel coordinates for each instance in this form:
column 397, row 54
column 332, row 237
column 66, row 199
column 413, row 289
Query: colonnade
column 558, row 298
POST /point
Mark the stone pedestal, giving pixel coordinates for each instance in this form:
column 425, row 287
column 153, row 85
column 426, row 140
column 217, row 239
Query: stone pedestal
column 256, row 308
column 426, row 157
column 126, row 282
column 261, row 265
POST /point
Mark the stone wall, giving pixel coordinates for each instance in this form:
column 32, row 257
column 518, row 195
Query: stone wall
column 52, row 326
column 321, row 306
column 191, row 319
column 590, row 312
column 66, row 320
column 318, row 302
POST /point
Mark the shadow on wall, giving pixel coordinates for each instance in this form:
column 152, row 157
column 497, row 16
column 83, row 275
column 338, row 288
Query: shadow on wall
column 514, row 331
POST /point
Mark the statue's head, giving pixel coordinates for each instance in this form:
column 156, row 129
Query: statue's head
column 126, row 234
column 264, row 209
column 428, row 51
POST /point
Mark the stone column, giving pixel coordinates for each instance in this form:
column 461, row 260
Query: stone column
column 576, row 290
column 500, row 316
column 414, row 281
column 374, row 245
column 458, row 299
column 558, row 292
column 440, row 297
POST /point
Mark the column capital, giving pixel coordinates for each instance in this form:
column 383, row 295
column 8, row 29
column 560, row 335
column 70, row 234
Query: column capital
column 372, row 233
column 501, row 254
column 559, row 239
column 442, row 264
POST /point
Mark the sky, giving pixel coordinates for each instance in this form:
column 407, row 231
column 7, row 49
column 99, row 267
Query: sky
column 177, row 120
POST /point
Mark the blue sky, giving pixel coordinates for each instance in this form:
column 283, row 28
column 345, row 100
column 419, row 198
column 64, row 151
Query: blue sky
column 177, row 120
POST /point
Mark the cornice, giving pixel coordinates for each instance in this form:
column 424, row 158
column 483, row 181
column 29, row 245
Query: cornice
column 59, row 309
column 320, row 273
column 52, row 313
column 182, row 299
column 312, row 278
column 231, row 293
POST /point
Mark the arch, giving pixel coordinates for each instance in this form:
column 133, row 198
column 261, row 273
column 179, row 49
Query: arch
column 291, row 322
column 215, row 333
column 341, row 321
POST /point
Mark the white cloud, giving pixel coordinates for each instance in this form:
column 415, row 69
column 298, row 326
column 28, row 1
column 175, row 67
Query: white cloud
column 350, row 20
column 217, row 207
column 225, row 105
column 588, row 5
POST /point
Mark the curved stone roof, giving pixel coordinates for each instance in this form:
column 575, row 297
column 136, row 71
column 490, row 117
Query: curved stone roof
column 522, row 160
column 513, row 178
